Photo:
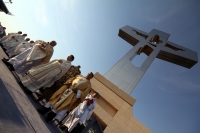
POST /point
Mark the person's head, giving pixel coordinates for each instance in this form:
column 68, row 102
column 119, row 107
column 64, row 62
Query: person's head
column 31, row 41
column 53, row 43
column 70, row 58
column 19, row 32
column 156, row 38
column 27, row 39
column 24, row 35
column 95, row 95
column 89, row 76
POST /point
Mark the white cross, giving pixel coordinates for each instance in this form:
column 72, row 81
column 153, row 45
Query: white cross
column 126, row 76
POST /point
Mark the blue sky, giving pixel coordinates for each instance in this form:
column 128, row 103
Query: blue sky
column 168, row 96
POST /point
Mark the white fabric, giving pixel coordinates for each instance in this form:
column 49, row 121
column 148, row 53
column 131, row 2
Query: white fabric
column 7, row 36
column 78, row 94
column 60, row 114
column 83, row 110
column 22, row 50
column 65, row 66
column 47, row 105
column 16, row 49
column 91, row 107
column 11, row 42
column 21, row 47
column 45, row 75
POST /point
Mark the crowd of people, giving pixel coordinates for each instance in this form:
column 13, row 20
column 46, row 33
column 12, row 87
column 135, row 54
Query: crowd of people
column 58, row 81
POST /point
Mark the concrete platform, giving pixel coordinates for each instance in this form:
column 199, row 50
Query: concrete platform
column 18, row 112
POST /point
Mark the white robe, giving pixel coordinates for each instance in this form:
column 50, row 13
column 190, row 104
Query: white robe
column 21, row 47
column 7, row 36
column 45, row 75
column 80, row 114
column 18, row 48
column 20, row 63
column 11, row 42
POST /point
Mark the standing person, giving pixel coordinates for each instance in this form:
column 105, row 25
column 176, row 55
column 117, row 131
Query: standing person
column 48, row 92
column 45, row 75
column 39, row 54
column 13, row 41
column 22, row 47
column 7, row 36
column 81, row 113
column 68, row 96
column 10, row 51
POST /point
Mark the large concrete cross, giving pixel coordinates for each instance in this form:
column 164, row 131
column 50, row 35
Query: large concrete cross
column 126, row 76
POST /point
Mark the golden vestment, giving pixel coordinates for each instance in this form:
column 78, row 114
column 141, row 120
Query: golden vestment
column 72, row 72
column 71, row 101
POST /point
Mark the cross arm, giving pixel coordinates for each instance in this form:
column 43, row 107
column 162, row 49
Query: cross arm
column 132, row 35
column 177, row 54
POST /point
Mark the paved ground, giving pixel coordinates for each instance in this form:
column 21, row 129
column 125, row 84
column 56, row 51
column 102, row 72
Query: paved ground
column 18, row 112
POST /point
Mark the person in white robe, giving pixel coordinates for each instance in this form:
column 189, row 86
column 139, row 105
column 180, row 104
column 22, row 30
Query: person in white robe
column 39, row 54
column 45, row 75
column 10, row 51
column 13, row 41
column 7, row 36
column 22, row 47
column 81, row 113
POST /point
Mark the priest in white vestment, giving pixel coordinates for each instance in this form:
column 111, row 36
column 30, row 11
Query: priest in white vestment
column 13, row 40
column 40, row 53
column 22, row 47
column 10, row 51
column 45, row 75
column 81, row 113
column 7, row 36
